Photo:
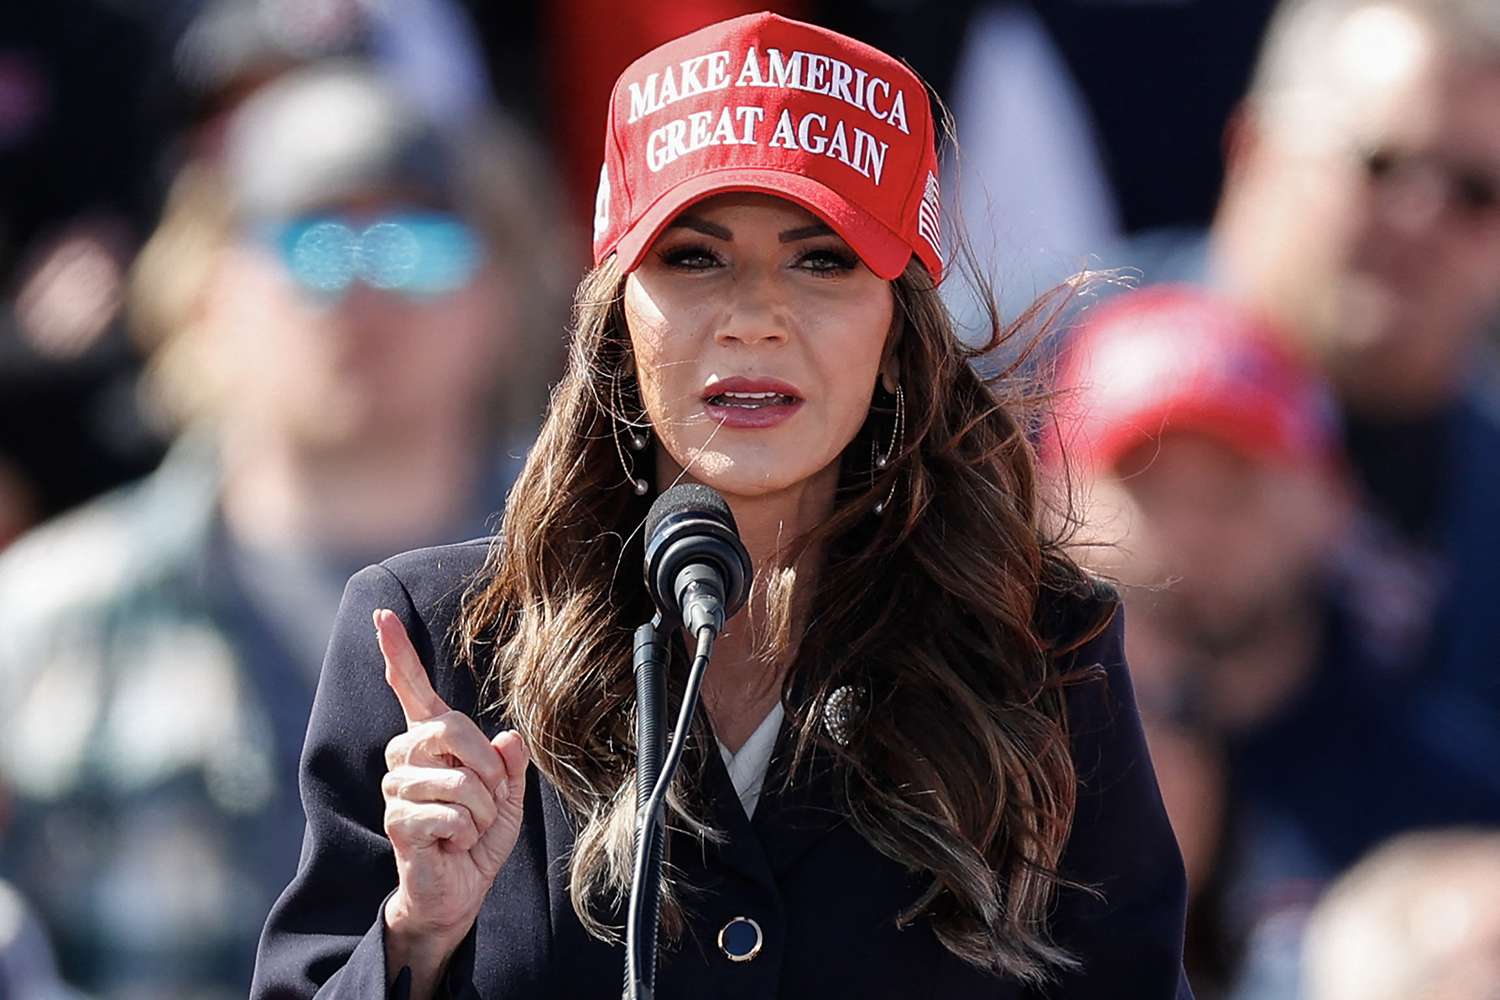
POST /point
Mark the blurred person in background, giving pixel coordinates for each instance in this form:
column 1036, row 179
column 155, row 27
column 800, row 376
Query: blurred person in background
column 145, row 88
column 352, row 319
column 1361, row 216
column 27, row 968
column 72, row 79
column 1211, row 453
column 1202, row 457
column 1420, row 917
column 1207, row 463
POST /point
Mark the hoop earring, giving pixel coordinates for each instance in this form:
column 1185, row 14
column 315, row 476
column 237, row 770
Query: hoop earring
column 883, row 461
column 638, row 438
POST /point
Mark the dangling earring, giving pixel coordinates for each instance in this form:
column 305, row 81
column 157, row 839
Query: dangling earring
column 882, row 462
column 638, row 438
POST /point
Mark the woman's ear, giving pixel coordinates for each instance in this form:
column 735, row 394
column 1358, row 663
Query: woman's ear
column 890, row 366
column 628, row 366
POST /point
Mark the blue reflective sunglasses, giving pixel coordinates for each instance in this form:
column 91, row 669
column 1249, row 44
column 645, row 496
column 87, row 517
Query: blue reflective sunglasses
column 417, row 254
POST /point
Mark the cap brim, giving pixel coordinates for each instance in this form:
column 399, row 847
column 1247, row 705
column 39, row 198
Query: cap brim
column 884, row 252
column 1257, row 436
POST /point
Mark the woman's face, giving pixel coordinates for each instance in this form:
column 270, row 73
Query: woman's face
column 758, row 336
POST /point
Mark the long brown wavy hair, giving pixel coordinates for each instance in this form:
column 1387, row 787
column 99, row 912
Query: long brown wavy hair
column 957, row 764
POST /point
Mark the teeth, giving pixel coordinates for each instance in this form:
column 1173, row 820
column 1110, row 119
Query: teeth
column 750, row 398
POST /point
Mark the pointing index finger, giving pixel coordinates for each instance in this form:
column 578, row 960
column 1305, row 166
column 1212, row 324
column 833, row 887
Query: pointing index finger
column 404, row 671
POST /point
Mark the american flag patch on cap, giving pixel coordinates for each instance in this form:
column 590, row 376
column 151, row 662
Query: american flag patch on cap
column 928, row 216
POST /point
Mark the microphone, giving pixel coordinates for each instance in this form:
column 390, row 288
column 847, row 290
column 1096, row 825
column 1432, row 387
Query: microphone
column 697, row 569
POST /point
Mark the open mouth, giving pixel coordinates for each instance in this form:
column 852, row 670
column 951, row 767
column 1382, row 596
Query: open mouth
column 750, row 400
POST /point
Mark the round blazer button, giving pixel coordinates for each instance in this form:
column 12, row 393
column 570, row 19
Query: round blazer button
column 740, row 940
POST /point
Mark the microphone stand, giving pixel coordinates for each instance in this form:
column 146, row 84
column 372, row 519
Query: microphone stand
column 642, row 922
column 650, row 699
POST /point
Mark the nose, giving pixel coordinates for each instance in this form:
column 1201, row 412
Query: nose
column 362, row 302
column 756, row 314
column 1414, row 201
column 365, row 312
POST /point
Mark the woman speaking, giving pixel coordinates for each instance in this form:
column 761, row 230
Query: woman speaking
column 920, row 771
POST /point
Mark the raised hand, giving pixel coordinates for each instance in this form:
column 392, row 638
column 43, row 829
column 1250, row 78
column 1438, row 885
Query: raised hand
column 453, row 805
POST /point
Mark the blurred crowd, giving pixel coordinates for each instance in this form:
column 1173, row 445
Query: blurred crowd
column 283, row 285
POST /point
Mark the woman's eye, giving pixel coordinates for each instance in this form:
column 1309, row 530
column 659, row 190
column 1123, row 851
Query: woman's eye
column 691, row 258
column 827, row 261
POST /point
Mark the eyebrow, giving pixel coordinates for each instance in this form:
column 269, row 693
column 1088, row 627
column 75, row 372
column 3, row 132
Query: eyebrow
column 702, row 226
column 719, row 232
column 805, row 232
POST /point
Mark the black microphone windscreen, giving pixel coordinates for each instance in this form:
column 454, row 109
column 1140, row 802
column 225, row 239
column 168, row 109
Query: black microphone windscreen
column 693, row 497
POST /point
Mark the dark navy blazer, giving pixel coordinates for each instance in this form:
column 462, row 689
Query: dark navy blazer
column 824, row 898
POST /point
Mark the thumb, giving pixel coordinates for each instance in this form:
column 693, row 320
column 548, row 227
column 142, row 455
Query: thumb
column 499, row 840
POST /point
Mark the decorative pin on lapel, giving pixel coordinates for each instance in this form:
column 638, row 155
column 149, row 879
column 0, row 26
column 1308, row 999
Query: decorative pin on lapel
column 843, row 711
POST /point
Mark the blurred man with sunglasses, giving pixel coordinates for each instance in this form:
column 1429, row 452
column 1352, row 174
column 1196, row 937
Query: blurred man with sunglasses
column 351, row 318
column 1362, row 207
column 1361, row 214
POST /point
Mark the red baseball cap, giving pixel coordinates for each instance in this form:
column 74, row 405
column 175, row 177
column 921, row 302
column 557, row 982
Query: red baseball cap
column 763, row 103
column 1174, row 358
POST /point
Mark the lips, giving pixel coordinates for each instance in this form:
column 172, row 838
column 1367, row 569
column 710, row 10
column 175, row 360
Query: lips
column 750, row 393
column 747, row 402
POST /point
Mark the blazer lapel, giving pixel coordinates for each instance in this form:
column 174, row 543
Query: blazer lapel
column 741, row 848
column 797, row 808
column 794, row 812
